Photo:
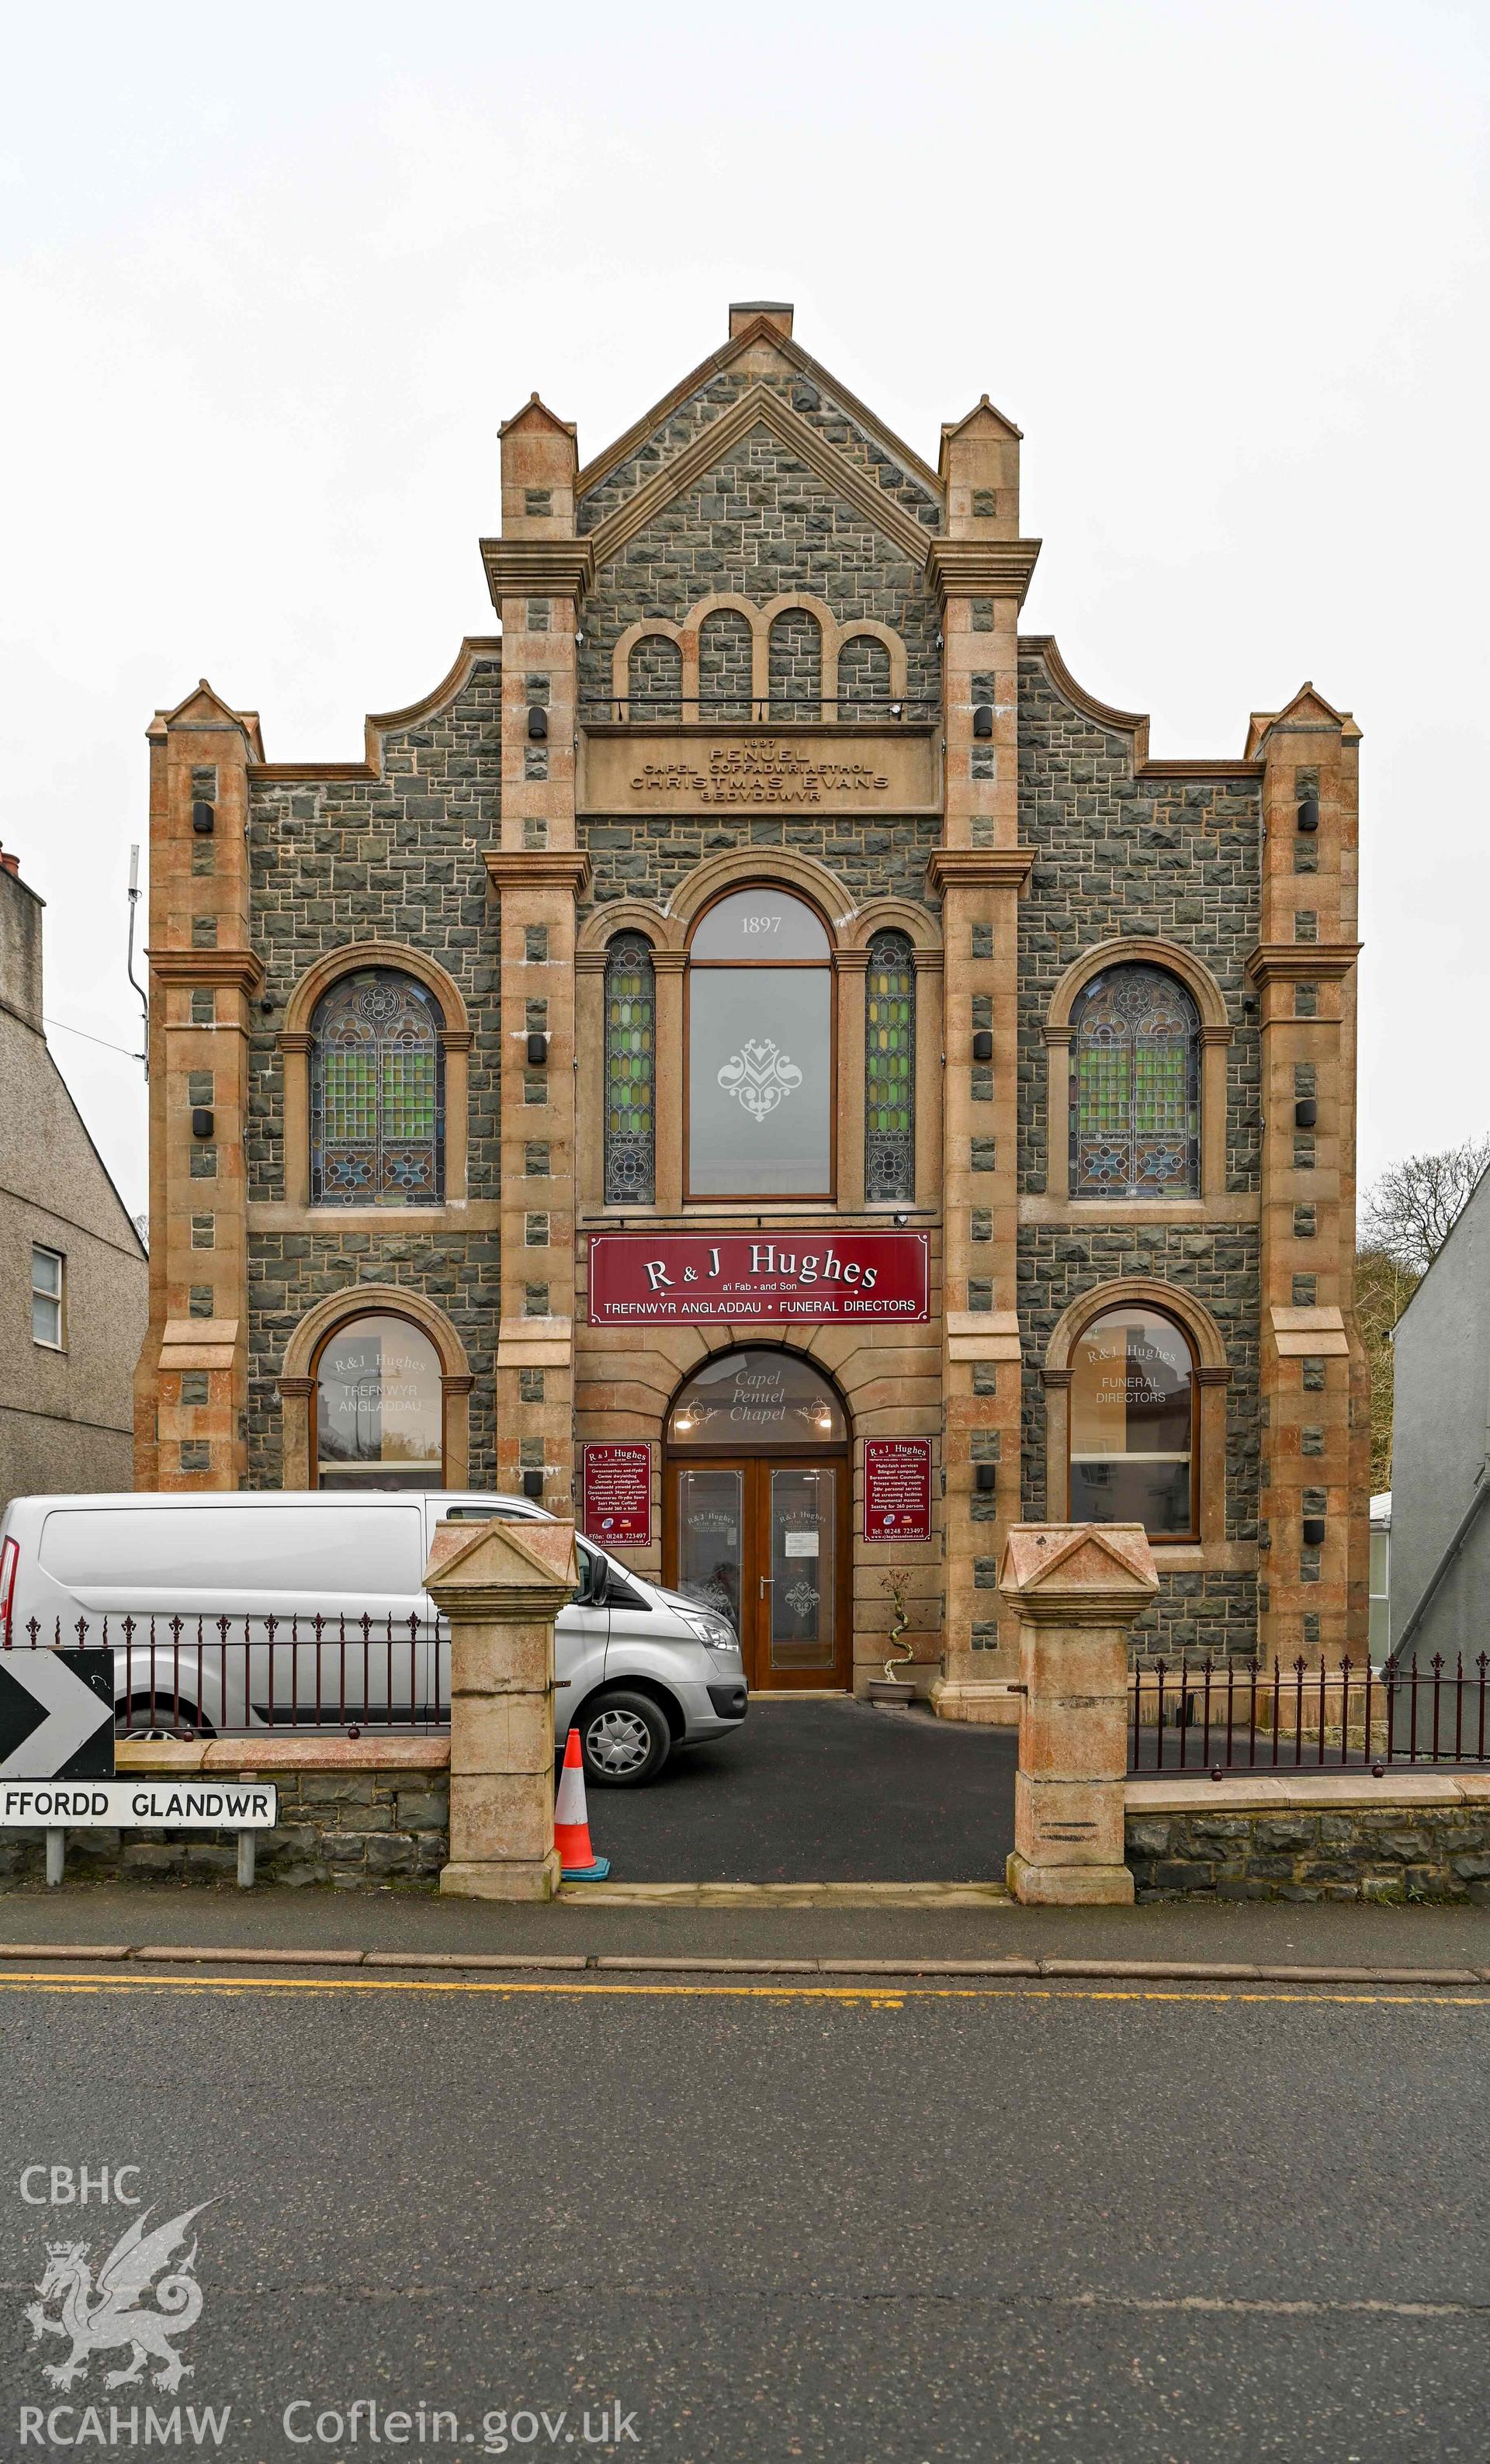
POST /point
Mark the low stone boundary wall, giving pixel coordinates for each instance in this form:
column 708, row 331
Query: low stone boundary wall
column 1320, row 1835
column 356, row 1814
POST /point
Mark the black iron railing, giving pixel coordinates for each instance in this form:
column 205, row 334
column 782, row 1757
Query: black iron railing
column 205, row 1676
column 1205, row 1717
column 765, row 710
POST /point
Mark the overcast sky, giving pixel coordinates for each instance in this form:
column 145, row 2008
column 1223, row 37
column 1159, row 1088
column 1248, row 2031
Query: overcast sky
column 271, row 276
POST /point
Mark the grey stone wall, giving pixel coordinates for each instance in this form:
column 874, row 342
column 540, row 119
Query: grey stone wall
column 862, row 676
column 1173, row 857
column 1387, row 1852
column 401, row 860
column 760, row 523
column 700, row 409
column 873, row 858
column 655, row 678
column 354, row 1831
column 724, row 666
column 1182, row 861
column 795, row 668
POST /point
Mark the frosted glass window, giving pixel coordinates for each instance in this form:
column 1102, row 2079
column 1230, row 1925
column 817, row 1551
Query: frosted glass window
column 761, row 1093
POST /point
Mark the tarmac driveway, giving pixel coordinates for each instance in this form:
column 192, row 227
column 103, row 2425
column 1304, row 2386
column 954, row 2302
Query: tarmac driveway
column 829, row 1792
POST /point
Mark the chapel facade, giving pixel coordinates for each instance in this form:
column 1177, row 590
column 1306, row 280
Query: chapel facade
column 761, row 1060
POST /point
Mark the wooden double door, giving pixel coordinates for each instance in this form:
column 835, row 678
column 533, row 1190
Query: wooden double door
column 764, row 1539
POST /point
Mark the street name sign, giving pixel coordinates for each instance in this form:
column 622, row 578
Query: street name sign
column 186, row 1804
column 57, row 1714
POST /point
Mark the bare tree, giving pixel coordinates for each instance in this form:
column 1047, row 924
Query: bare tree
column 1383, row 1290
column 1410, row 1212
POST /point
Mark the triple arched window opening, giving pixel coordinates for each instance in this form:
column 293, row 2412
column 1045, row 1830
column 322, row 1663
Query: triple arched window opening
column 762, row 1072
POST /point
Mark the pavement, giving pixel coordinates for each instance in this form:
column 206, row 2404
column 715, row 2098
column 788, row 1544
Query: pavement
column 729, row 2221
column 824, row 1792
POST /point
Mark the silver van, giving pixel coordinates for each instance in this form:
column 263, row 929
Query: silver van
column 298, row 1609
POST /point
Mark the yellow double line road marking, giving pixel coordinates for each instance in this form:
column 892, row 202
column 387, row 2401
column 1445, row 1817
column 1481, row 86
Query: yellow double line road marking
column 883, row 1996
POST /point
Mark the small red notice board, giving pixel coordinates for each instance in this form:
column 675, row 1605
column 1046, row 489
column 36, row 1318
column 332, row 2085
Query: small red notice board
column 618, row 1496
column 897, row 1488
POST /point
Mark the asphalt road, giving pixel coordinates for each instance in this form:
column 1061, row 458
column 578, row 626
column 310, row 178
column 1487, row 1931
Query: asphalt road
column 841, row 2225
column 820, row 1792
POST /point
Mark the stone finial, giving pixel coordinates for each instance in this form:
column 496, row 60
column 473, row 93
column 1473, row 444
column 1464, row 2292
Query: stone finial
column 1078, row 1571
column 744, row 312
column 506, row 1571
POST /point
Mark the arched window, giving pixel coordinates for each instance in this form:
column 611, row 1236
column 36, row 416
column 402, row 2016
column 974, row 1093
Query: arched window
column 725, row 650
column 1132, row 1423
column 889, row 1068
column 379, row 1407
column 376, row 1093
column 1135, row 1087
column 863, row 678
column 654, row 678
column 760, row 1051
column 793, row 651
column 630, row 1071
column 749, row 1400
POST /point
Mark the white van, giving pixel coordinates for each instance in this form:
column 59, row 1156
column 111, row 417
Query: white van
column 306, row 1608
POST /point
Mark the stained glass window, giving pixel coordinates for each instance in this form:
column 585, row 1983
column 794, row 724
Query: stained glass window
column 889, row 1062
column 630, row 1071
column 377, row 1096
column 1135, row 1087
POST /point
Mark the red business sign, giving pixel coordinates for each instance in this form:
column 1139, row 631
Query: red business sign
column 662, row 1278
column 618, row 1495
column 897, row 1488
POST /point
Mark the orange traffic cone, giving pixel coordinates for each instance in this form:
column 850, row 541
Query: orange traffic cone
column 571, row 1823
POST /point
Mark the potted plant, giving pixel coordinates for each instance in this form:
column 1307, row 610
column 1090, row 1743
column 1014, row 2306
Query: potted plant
column 894, row 1688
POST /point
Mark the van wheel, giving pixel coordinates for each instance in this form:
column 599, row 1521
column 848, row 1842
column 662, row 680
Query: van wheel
column 625, row 1741
column 174, row 1720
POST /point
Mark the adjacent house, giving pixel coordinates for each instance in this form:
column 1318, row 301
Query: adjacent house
column 74, row 1276
column 1440, row 1437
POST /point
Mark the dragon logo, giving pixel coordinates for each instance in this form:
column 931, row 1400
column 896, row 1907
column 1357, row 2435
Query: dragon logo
column 761, row 1076
column 103, row 2317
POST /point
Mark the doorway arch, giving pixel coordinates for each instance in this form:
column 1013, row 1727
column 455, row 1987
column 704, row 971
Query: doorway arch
column 756, row 1511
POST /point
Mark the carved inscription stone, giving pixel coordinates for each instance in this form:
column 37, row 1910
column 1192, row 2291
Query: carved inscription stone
column 695, row 770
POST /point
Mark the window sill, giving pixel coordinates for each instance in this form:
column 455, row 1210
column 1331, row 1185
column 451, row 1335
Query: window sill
column 451, row 1215
column 1243, row 1206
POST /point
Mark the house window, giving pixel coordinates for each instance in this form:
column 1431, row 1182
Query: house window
column 1132, row 1423
column 630, row 1071
column 379, row 1408
column 760, row 1056
column 1135, row 1087
column 889, row 1065
column 376, row 1093
column 47, row 1269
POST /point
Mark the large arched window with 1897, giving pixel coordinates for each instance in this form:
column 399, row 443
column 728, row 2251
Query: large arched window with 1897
column 1133, row 1423
column 761, row 1058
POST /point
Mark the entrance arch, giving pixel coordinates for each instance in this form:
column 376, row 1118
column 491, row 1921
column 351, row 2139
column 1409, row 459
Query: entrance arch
column 756, row 1513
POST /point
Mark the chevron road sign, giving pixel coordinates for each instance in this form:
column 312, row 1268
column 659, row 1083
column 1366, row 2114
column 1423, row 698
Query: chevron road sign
column 57, row 1714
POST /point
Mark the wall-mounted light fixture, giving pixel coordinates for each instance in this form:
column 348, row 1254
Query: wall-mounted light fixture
column 201, row 1121
column 537, row 1049
column 983, row 719
column 538, row 723
column 983, row 1043
column 1309, row 813
column 532, row 1484
column 985, row 1475
column 1306, row 1112
column 1313, row 1531
column 204, row 817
